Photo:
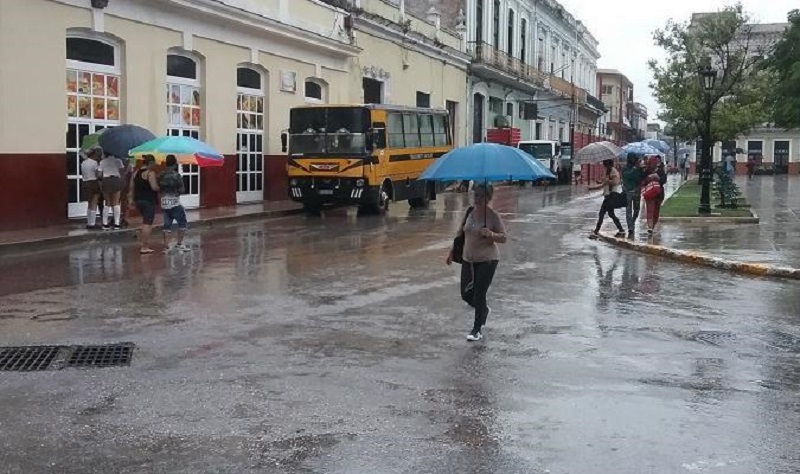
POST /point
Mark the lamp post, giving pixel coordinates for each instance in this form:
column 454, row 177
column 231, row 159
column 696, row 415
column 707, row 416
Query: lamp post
column 708, row 76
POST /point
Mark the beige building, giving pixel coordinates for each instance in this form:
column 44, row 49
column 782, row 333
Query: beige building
column 616, row 92
column 224, row 72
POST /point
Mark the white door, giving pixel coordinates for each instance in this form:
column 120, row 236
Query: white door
column 93, row 103
column 250, row 145
column 183, row 106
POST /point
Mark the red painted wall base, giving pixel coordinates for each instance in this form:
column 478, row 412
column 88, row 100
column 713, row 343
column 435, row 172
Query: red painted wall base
column 33, row 190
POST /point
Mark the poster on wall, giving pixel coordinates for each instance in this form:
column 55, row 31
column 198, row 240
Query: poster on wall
column 288, row 81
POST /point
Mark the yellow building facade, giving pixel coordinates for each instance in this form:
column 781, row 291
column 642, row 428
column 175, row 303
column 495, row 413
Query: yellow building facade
column 224, row 72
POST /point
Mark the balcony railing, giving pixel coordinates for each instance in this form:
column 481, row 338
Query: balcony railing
column 490, row 56
column 595, row 102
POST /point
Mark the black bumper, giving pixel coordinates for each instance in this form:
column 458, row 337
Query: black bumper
column 330, row 191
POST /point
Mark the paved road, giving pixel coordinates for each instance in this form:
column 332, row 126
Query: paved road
column 336, row 345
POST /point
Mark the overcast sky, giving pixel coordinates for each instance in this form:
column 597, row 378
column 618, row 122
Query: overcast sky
column 625, row 28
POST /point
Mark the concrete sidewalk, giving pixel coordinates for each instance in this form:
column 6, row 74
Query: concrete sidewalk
column 771, row 247
column 76, row 232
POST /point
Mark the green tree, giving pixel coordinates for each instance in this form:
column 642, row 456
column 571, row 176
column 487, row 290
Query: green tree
column 725, row 41
column 785, row 64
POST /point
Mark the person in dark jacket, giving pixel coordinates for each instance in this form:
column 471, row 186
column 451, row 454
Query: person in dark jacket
column 632, row 178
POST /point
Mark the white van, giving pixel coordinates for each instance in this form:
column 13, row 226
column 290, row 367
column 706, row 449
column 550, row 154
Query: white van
column 548, row 152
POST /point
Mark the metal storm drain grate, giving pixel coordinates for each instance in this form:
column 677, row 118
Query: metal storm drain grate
column 111, row 355
column 35, row 358
column 25, row 359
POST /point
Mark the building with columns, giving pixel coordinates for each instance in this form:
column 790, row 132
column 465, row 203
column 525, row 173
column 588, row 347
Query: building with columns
column 533, row 68
column 226, row 72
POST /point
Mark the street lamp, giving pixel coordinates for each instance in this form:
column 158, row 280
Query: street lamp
column 708, row 76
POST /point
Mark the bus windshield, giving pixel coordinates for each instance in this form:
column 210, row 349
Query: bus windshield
column 541, row 151
column 328, row 131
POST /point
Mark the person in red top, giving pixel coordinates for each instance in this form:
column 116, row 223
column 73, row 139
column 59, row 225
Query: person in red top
column 653, row 197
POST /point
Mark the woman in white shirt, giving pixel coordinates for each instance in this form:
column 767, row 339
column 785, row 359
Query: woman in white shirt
column 110, row 171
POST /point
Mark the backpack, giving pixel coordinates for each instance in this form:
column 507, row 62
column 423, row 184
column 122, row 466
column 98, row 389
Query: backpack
column 170, row 182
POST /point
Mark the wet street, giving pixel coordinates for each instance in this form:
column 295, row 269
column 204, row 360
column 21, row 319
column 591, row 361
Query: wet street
column 336, row 344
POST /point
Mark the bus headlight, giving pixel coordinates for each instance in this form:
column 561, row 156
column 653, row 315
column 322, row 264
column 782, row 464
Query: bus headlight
column 360, row 183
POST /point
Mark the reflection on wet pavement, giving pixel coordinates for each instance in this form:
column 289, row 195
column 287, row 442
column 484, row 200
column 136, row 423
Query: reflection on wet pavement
column 336, row 344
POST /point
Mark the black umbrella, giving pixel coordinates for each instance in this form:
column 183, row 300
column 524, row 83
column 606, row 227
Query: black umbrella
column 118, row 141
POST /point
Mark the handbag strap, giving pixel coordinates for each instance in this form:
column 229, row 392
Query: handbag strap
column 466, row 216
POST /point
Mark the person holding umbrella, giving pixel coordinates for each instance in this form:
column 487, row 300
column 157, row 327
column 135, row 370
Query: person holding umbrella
column 612, row 198
column 482, row 230
column 475, row 247
column 170, row 183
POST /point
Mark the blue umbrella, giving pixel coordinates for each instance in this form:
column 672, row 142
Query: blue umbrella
column 487, row 162
column 640, row 148
column 659, row 145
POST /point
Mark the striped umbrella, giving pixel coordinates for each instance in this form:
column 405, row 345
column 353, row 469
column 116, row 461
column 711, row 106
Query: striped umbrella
column 187, row 150
column 597, row 153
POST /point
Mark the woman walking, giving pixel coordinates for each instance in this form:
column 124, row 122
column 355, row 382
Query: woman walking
column 143, row 197
column 482, row 230
column 653, row 197
column 612, row 198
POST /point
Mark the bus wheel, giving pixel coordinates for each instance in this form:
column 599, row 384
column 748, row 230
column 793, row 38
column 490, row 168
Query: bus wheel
column 380, row 204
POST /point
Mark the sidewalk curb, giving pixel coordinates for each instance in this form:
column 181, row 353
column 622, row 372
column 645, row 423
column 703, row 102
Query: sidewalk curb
column 131, row 232
column 694, row 258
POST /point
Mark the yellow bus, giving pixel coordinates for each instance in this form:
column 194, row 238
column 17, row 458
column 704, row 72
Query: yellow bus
column 367, row 155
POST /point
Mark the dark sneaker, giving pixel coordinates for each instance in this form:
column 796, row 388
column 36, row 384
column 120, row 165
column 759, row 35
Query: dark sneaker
column 620, row 234
column 474, row 336
column 631, row 235
column 106, row 227
column 116, row 227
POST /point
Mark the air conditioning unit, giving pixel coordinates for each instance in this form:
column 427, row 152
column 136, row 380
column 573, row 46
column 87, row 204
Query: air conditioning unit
column 502, row 121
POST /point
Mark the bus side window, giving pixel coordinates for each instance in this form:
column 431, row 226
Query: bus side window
column 440, row 130
column 426, row 130
column 411, row 130
column 558, row 149
column 396, row 139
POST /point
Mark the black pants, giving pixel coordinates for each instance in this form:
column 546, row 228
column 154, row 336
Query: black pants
column 608, row 208
column 475, row 280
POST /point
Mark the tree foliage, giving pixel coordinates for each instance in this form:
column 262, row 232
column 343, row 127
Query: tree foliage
column 785, row 64
column 725, row 41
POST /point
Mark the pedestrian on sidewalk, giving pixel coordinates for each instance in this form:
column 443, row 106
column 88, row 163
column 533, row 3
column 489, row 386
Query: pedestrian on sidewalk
column 170, row 184
column 653, row 198
column 90, row 185
column 143, row 197
column 482, row 229
column 684, row 166
column 110, row 170
column 751, row 166
column 576, row 173
column 612, row 198
column 632, row 178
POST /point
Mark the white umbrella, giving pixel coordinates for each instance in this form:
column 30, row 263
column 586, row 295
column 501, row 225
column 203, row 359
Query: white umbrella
column 597, row 153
